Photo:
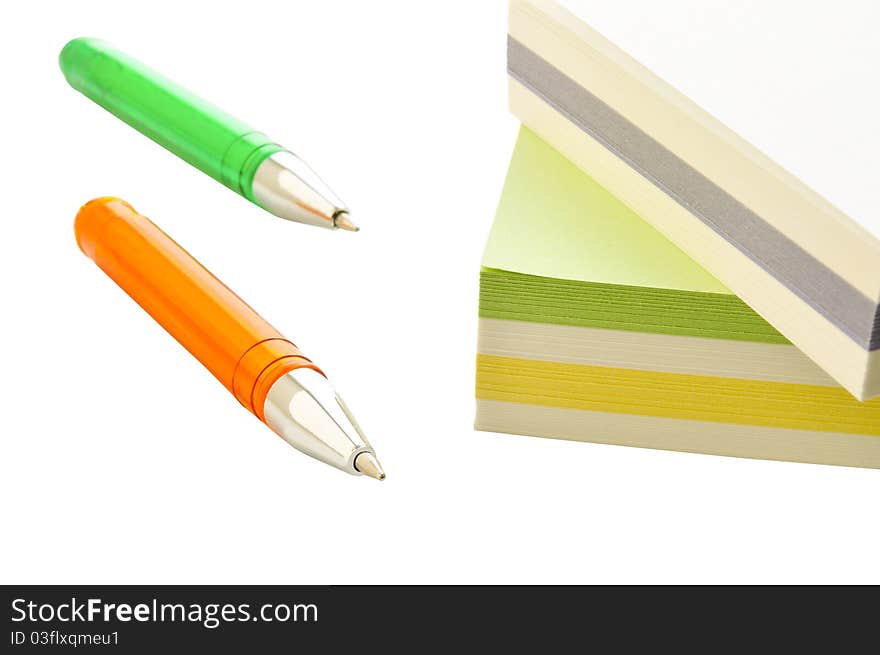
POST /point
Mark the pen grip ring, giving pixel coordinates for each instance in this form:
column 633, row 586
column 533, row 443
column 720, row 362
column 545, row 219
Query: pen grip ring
column 261, row 366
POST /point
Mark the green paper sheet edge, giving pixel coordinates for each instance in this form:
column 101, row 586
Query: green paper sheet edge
column 564, row 251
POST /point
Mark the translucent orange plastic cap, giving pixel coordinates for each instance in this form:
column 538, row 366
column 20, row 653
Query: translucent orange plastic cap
column 217, row 327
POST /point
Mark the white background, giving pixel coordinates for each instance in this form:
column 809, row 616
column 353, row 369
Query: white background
column 123, row 461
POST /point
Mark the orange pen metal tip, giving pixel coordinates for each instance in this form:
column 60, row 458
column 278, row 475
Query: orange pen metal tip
column 265, row 371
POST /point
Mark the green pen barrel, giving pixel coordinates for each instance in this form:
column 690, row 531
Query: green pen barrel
column 194, row 130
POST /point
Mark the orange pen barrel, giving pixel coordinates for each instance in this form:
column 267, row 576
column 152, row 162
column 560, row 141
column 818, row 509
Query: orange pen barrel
column 235, row 343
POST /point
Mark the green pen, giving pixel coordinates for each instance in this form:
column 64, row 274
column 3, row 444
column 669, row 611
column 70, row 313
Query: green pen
column 244, row 160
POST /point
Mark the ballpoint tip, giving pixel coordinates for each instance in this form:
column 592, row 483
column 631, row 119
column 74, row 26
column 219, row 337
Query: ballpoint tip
column 343, row 221
column 367, row 464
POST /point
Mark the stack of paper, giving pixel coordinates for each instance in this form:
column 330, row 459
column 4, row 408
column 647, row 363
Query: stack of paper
column 774, row 191
column 595, row 327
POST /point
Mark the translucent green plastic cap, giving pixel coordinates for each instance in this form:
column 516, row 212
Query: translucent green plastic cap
column 197, row 132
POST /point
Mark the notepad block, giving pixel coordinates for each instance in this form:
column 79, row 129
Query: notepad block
column 595, row 327
column 780, row 243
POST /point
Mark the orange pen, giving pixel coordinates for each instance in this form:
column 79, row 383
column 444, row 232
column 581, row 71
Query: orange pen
column 266, row 372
